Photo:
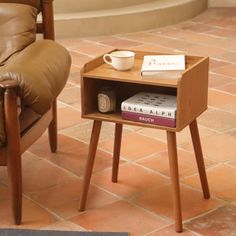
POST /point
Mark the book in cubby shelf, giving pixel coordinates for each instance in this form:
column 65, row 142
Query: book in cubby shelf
column 153, row 108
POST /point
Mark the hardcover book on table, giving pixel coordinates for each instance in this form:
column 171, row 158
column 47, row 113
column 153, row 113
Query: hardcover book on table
column 166, row 66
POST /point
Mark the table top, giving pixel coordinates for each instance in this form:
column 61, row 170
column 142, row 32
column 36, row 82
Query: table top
column 98, row 69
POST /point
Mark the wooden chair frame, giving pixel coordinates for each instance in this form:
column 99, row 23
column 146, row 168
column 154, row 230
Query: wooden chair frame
column 17, row 142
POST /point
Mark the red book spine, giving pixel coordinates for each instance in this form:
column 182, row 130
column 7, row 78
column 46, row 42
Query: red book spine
column 145, row 118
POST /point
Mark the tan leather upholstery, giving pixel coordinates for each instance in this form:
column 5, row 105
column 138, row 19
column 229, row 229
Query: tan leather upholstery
column 17, row 28
column 35, row 65
column 40, row 73
column 33, row 3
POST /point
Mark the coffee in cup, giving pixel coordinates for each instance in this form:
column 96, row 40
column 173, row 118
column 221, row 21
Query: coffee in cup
column 120, row 60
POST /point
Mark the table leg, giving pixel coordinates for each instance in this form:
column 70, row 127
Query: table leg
column 116, row 152
column 89, row 165
column 199, row 158
column 173, row 162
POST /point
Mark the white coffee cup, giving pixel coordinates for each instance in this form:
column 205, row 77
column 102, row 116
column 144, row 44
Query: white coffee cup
column 120, row 60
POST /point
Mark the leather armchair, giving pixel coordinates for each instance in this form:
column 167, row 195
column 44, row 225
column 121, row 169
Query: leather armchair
column 32, row 74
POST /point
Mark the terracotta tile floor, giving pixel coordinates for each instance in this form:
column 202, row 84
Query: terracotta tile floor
column 140, row 202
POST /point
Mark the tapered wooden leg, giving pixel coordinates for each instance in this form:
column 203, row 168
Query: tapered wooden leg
column 199, row 158
column 173, row 162
column 13, row 153
column 116, row 152
column 89, row 165
column 52, row 129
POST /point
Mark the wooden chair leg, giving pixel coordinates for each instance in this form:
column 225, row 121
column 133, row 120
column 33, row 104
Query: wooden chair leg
column 13, row 153
column 173, row 162
column 116, row 152
column 89, row 165
column 199, row 158
column 15, row 183
column 52, row 129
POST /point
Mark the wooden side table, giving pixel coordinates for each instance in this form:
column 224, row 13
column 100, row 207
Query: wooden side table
column 191, row 89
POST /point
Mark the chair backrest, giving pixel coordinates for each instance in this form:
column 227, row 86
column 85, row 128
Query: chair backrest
column 46, row 27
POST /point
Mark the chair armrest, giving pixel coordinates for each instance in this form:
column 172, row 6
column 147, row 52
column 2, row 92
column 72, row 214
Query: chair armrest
column 41, row 71
column 6, row 81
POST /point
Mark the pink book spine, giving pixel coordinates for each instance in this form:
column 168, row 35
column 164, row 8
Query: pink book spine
column 145, row 118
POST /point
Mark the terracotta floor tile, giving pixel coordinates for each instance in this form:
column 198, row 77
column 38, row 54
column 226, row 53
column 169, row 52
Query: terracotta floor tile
column 71, row 155
column 220, row 181
column 64, row 226
column 218, row 120
column 33, row 179
column 60, row 104
column 196, row 38
column 229, row 70
column 228, row 56
column 70, row 95
column 226, row 33
column 159, row 200
column 216, row 64
column 230, row 88
column 100, row 38
column 154, row 48
column 186, row 161
column 219, row 222
column 199, row 27
column 69, row 85
column 217, row 80
column 134, row 146
column 91, row 48
column 231, row 132
column 160, row 40
column 224, row 101
column 75, row 77
column 68, row 117
column 230, row 46
column 41, row 147
column 70, row 43
column 63, row 199
column 129, row 180
column 120, row 43
column 170, row 231
column 182, row 137
column 74, row 69
column 222, row 22
column 79, row 59
column 33, row 216
column 219, row 148
column 140, row 36
column 171, row 43
column 233, row 163
column 111, row 218
column 77, row 106
column 83, row 131
column 75, row 160
column 204, row 50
